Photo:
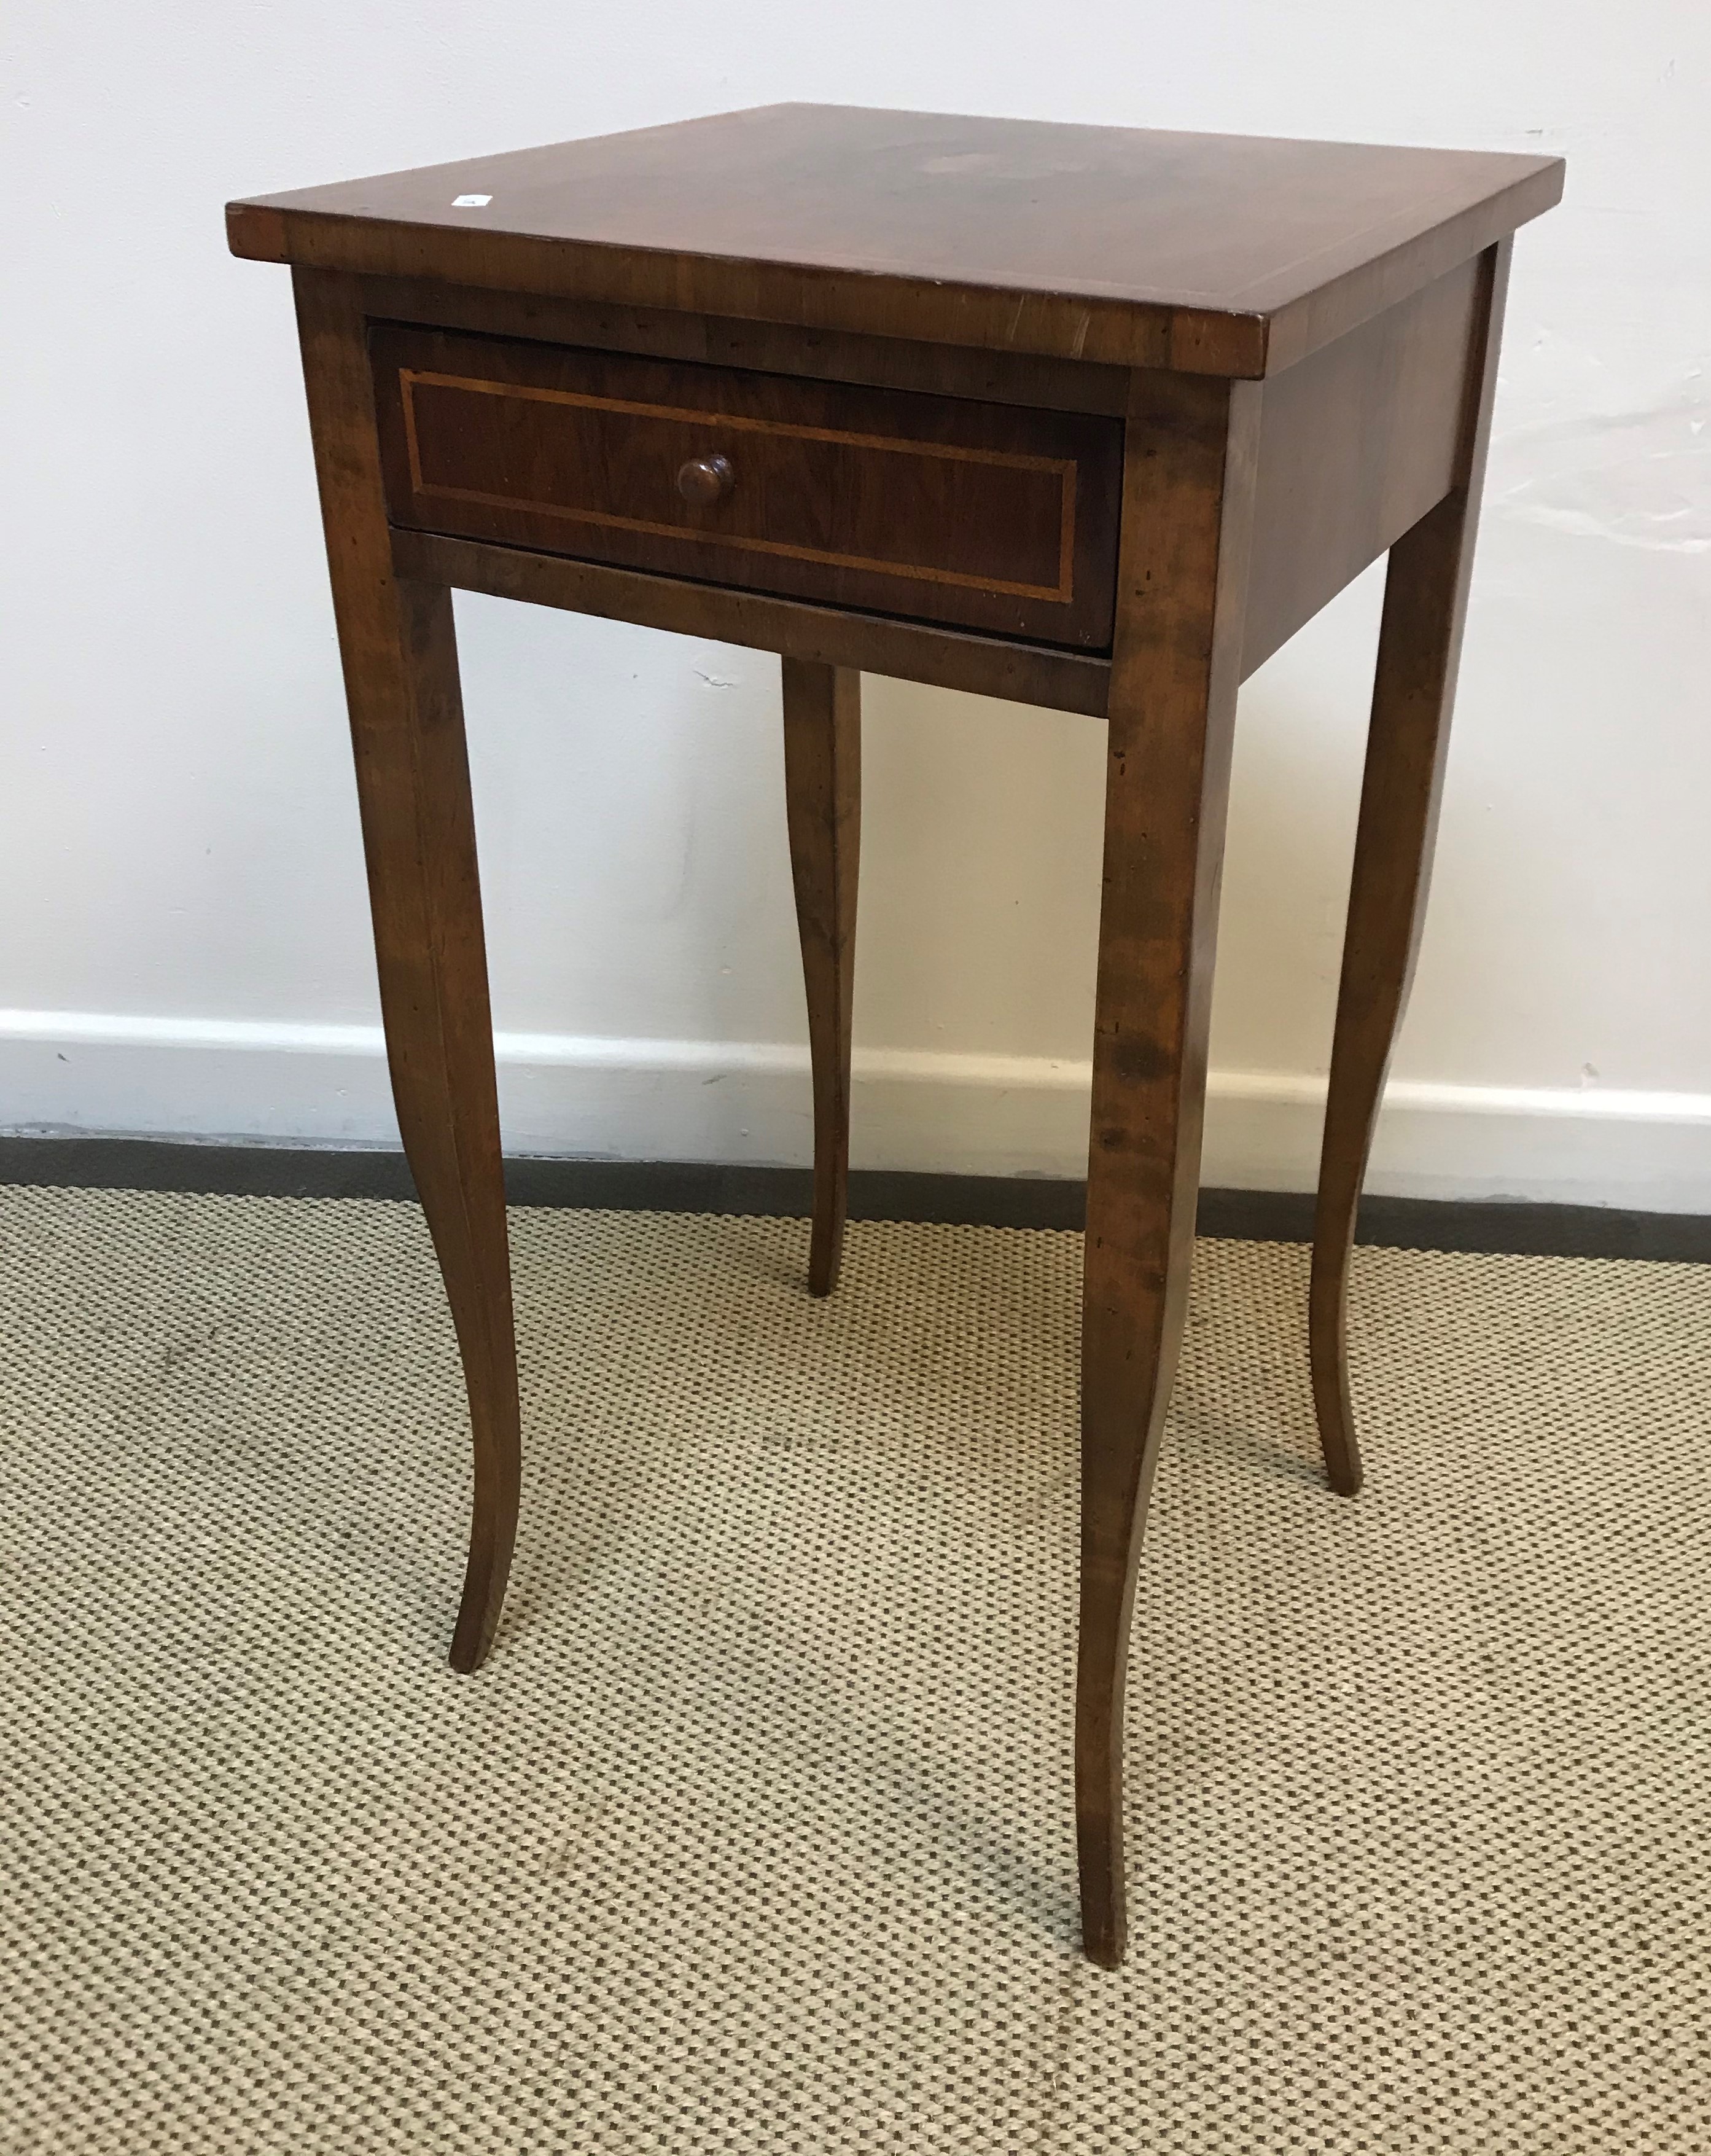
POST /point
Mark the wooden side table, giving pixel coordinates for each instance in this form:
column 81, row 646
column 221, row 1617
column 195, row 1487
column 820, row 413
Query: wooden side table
column 1088, row 418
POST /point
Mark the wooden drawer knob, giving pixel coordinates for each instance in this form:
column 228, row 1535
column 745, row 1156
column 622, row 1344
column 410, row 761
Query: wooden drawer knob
column 704, row 480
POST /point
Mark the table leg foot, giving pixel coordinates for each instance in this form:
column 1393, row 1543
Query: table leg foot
column 822, row 787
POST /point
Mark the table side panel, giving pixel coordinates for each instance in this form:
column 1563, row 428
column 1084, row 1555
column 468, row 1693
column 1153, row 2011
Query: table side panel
column 1356, row 444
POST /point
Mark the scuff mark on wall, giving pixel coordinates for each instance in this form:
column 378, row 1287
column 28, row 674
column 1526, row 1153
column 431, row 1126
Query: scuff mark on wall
column 1639, row 478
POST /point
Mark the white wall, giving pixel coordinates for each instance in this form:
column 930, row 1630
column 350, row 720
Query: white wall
column 183, row 937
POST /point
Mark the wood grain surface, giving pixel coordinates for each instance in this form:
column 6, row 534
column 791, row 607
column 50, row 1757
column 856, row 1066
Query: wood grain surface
column 987, row 517
column 1209, row 253
column 1420, row 641
column 1187, row 523
column 880, row 362
column 412, row 778
column 822, row 788
column 1355, row 444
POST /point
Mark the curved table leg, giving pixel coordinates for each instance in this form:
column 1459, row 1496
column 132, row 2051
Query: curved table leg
column 1187, row 518
column 1424, row 605
column 406, row 724
column 822, row 792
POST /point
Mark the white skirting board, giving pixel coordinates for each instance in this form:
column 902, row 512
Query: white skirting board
column 735, row 1101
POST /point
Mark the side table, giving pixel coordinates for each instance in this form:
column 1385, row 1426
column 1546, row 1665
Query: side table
column 1088, row 418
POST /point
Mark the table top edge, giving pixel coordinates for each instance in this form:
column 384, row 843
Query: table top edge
column 1277, row 320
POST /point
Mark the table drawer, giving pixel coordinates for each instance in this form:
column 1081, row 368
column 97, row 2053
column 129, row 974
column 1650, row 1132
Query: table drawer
column 995, row 517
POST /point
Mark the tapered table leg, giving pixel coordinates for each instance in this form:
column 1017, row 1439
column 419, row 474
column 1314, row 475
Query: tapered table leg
column 406, row 724
column 1187, row 519
column 1425, row 606
column 823, row 790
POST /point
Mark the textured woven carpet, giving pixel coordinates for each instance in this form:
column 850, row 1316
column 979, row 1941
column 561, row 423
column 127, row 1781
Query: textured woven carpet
column 756, row 1834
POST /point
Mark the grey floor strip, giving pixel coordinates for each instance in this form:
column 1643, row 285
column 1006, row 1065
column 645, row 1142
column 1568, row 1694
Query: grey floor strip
column 119, row 1163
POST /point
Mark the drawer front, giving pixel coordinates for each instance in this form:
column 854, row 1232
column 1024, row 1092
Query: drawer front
column 987, row 517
